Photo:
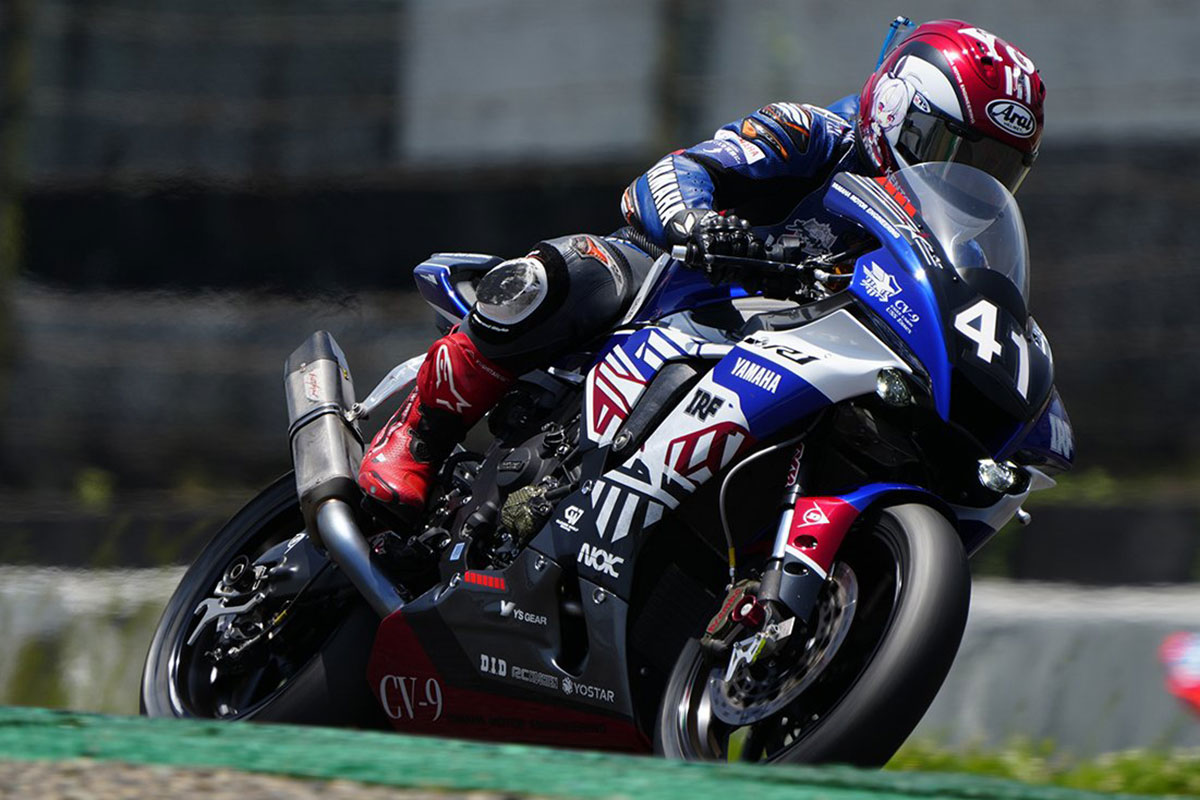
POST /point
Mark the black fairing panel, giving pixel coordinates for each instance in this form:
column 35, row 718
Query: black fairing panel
column 994, row 399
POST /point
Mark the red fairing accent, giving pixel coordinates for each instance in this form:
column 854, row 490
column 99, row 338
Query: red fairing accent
column 700, row 454
column 614, row 386
column 456, row 377
column 818, row 526
column 485, row 580
column 419, row 699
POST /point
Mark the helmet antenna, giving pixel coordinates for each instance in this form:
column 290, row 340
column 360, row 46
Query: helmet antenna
column 898, row 24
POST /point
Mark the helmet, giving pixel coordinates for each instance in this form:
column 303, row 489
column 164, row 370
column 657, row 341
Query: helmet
column 953, row 92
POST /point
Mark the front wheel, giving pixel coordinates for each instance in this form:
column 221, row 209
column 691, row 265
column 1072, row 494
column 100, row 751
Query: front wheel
column 886, row 630
column 263, row 626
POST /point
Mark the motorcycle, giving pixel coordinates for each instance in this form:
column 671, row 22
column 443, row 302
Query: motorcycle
column 736, row 529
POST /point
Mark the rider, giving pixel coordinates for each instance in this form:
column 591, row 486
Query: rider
column 950, row 91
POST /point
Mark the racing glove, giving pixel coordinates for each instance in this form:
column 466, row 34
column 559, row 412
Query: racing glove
column 717, row 235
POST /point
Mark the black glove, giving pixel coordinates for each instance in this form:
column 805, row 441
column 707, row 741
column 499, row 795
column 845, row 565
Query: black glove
column 721, row 236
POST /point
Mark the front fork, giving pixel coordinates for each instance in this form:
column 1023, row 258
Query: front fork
column 810, row 531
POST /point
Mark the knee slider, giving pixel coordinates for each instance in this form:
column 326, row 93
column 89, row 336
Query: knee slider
column 512, row 290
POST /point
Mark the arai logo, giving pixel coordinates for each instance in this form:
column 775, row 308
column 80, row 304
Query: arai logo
column 1012, row 117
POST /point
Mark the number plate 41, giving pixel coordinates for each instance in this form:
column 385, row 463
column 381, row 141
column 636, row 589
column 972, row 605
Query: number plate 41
column 979, row 323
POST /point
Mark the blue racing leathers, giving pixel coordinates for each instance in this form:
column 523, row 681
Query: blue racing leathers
column 770, row 168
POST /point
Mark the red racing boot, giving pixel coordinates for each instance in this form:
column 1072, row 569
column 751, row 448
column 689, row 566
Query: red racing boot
column 455, row 387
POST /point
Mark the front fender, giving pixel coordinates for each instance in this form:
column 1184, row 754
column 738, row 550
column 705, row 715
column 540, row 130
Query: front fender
column 818, row 525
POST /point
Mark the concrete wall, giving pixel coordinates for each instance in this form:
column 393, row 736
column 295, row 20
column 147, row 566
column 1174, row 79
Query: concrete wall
column 1077, row 667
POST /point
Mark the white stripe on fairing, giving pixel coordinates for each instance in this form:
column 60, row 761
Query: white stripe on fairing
column 626, row 519
column 814, row 566
column 609, row 385
column 650, row 490
column 627, row 363
column 703, row 446
column 597, row 492
column 732, row 442
column 606, row 509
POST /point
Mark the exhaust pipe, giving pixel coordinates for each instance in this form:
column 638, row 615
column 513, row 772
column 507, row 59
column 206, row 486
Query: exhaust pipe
column 326, row 450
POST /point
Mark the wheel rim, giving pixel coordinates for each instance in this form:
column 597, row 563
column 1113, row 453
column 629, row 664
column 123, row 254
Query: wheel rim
column 871, row 576
column 834, row 615
column 200, row 687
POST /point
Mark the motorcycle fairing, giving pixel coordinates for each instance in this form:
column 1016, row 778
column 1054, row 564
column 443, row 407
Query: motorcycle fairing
column 906, row 303
column 903, row 267
column 762, row 385
column 1050, row 442
column 620, row 376
column 817, row 527
column 782, row 377
column 672, row 287
column 444, row 280
column 998, row 393
column 495, row 652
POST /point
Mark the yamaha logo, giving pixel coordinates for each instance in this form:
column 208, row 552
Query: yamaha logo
column 567, row 686
column 1012, row 117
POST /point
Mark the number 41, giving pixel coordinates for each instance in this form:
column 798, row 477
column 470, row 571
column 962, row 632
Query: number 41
column 978, row 323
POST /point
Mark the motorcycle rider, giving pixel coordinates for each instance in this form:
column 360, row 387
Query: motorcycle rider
column 949, row 91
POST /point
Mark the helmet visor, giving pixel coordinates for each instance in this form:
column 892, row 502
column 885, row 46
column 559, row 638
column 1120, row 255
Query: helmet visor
column 933, row 137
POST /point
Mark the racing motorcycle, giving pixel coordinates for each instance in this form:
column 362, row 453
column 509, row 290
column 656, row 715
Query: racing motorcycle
column 737, row 528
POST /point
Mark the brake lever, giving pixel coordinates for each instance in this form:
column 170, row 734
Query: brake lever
column 764, row 266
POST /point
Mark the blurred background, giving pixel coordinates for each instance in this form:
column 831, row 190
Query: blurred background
column 188, row 189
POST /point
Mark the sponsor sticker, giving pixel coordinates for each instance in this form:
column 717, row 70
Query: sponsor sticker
column 756, row 374
column 904, row 315
column 1012, row 117
column 587, row 690
column 879, row 283
column 509, row 609
column 600, row 560
column 813, row 516
column 703, row 405
column 570, row 520
column 535, row 677
column 405, row 697
column 312, row 386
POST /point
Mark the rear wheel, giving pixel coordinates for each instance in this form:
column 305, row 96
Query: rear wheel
column 888, row 625
column 263, row 626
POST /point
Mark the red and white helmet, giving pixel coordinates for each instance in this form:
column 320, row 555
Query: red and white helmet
column 953, row 92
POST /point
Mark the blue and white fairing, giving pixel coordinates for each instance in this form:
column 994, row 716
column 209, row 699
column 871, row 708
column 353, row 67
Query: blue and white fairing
column 942, row 299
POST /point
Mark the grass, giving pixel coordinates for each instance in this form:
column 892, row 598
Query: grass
column 1134, row 772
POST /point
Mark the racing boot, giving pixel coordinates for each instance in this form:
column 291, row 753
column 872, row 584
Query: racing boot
column 455, row 387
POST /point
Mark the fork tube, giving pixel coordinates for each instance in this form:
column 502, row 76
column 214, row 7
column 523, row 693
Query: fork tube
column 773, row 574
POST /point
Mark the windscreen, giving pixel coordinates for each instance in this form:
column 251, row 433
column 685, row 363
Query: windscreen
column 972, row 216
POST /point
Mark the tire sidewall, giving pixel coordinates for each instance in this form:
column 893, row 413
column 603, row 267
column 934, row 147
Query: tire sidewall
column 881, row 708
column 330, row 689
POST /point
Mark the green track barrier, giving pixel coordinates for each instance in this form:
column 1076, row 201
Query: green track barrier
column 448, row 764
